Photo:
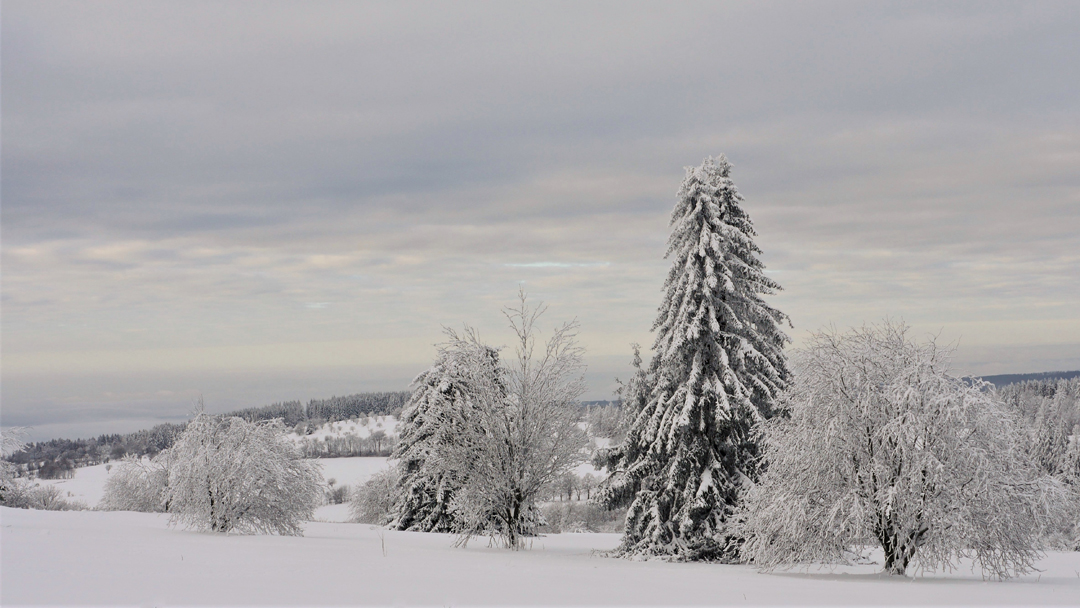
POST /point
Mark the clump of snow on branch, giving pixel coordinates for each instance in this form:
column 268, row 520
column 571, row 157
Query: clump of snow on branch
column 880, row 445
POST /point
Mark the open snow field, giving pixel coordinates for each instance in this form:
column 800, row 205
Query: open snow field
column 136, row 558
column 352, row 472
column 84, row 557
column 87, row 486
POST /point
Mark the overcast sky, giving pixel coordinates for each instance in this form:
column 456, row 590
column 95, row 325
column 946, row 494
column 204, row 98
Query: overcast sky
column 270, row 201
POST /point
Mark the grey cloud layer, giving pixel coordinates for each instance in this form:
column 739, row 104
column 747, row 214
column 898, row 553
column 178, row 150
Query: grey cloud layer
column 186, row 176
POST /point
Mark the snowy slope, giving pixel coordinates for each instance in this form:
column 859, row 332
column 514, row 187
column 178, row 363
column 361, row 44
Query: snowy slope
column 87, row 486
column 100, row 558
column 360, row 427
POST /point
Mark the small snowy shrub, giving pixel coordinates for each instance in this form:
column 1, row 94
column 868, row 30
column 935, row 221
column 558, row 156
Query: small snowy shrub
column 881, row 445
column 137, row 484
column 338, row 494
column 374, row 500
column 230, row 475
column 51, row 498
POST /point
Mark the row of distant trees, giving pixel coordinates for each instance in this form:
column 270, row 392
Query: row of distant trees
column 58, row 458
column 377, row 443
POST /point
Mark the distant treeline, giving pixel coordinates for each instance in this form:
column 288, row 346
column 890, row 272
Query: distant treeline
column 1007, row 379
column 58, row 458
column 329, row 410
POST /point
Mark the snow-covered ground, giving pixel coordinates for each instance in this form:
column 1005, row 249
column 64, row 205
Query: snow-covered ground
column 352, row 471
column 87, row 486
column 135, row 558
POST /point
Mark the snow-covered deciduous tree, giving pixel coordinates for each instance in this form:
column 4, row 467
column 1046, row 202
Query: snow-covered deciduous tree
column 426, row 490
column 718, row 368
column 880, row 445
column 230, row 475
column 516, row 432
column 137, row 484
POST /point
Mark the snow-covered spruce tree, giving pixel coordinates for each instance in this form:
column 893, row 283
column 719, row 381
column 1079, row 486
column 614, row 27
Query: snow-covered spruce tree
column 425, row 491
column 230, row 475
column 718, row 368
column 882, row 446
column 137, row 484
column 518, row 432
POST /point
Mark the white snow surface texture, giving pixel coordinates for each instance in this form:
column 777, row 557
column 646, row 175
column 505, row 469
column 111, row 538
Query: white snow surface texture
column 121, row 558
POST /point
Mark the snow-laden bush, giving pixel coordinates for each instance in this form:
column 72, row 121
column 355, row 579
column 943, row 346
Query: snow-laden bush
column 12, row 489
column 137, row 484
column 230, row 475
column 882, row 446
column 51, row 498
column 374, row 500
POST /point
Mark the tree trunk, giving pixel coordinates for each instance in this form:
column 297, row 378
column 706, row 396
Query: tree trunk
column 896, row 562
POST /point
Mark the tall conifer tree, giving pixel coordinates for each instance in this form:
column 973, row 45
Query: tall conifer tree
column 717, row 370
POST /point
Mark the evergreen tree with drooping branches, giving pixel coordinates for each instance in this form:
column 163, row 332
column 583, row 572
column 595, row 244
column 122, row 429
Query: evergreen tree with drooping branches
column 425, row 492
column 717, row 370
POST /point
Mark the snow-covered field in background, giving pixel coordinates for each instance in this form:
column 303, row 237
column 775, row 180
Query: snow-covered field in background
column 352, row 472
column 135, row 558
column 87, row 486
